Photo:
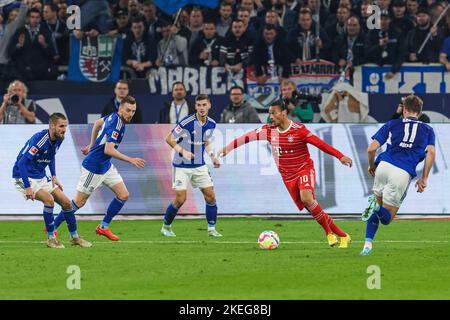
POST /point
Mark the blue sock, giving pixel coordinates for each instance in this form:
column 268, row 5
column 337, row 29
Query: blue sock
column 60, row 218
column 384, row 215
column 71, row 220
column 49, row 221
column 211, row 214
column 372, row 227
column 171, row 212
column 114, row 207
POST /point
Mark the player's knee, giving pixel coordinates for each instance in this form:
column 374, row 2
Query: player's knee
column 49, row 201
column 210, row 199
column 124, row 196
column 66, row 205
column 179, row 200
column 307, row 200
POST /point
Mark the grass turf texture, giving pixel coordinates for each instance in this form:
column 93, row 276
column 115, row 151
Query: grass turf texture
column 146, row 265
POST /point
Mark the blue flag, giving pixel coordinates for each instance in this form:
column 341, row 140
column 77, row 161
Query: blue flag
column 172, row 6
column 95, row 59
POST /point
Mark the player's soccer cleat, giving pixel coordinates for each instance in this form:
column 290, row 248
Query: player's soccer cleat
column 54, row 243
column 107, row 233
column 366, row 251
column 373, row 205
column 56, row 232
column 345, row 241
column 332, row 240
column 167, row 231
column 78, row 241
column 214, row 233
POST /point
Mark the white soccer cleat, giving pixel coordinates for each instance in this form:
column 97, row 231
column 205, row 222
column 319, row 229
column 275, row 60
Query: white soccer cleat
column 167, row 231
column 373, row 206
column 366, row 251
column 214, row 233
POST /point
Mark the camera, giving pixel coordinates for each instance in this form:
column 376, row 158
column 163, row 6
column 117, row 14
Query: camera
column 297, row 97
column 14, row 99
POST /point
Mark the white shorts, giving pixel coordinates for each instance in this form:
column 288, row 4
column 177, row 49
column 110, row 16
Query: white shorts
column 35, row 184
column 90, row 181
column 199, row 178
column 391, row 183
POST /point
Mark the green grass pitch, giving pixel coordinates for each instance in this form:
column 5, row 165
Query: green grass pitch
column 413, row 257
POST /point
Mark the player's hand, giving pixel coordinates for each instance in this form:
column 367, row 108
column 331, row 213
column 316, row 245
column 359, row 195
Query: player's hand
column 346, row 161
column 29, row 193
column 85, row 150
column 421, row 184
column 56, row 182
column 138, row 162
column 222, row 153
column 187, row 154
column 215, row 161
column 371, row 171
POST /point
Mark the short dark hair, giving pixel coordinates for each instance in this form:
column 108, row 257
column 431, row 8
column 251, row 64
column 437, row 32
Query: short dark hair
column 279, row 103
column 270, row 27
column 237, row 87
column 128, row 99
column 52, row 6
column 55, row 117
column 237, row 21
column 178, row 82
column 202, row 97
column 225, row 4
column 33, row 10
column 413, row 103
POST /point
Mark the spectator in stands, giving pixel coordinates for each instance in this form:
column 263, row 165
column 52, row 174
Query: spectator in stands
column 287, row 16
column 294, row 5
column 95, row 18
column 435, row 9
column 269, row 56
column 7, row 30
column 172, row 49
column 173, row 112
column 195, row 25
column 121, row 90
column 239, row 110
column 399, row 113
column 412, row 6
column 337, row 26
column 139, row 50
column 445, row 53
column 250, row 30
column 384, row 5
column 59, row 33
column 400, row 19
column 386, row 46
column 271, row 17
column 302, row 40
column 299, row 110
column 152, row 22
column 120, row 5
column 255, row 7
column 16, row 108
column 225, row 19
column 364, row 14
column 349, row 48
column 134, row 9
column 416, row 36
column 37, row 4
column 62, row 10
column 121, row 24
column 236, row 49
column 206, row 49
column 32, row 50
column 323, row 13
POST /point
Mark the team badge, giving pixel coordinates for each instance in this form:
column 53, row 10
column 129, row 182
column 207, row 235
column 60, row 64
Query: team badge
column 33, row 150
column 290, row 138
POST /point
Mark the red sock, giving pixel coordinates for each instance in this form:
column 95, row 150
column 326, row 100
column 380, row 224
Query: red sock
column 320, row 216
column 334, row 227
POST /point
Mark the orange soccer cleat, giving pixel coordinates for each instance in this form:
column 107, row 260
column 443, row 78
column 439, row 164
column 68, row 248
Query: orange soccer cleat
column 107, row 233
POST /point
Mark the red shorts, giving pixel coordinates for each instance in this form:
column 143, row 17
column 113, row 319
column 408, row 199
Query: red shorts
column 305, row 179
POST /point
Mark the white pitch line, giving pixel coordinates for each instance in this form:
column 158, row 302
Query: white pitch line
column 221, row 242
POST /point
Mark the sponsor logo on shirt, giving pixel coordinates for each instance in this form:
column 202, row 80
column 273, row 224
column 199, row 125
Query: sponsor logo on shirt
column 178, row 129
column 33, row 151
column 115, row 135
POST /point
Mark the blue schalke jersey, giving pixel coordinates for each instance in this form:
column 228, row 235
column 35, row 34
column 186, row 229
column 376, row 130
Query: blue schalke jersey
column 191, row 136
column 39, row 151
column 407, row 140
column 112, row 130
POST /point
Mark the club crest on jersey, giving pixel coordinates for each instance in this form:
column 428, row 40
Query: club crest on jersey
column 290, row 138
column 115, row 135
column 33, row 150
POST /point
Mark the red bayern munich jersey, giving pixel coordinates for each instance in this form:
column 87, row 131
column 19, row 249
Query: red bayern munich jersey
column 289, row 147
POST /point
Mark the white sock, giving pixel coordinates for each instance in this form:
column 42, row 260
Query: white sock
column 368, row 244
column 211, row 228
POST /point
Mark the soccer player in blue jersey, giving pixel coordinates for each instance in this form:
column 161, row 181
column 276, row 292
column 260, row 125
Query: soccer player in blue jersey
column 190, row 139
column 30, row 178
column 97, row 168
column 409, row 141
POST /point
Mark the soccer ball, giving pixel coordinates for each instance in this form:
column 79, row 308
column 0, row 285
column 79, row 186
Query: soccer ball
column 268, row 240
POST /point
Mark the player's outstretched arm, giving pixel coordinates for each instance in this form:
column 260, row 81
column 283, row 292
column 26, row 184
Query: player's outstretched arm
column 113, row 152
column 258, row 134
column 172, row 142
column 371, row 151
column 325, row 147
column 95, row 130
column 421, row 183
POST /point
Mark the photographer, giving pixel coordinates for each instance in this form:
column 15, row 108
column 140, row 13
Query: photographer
column 299, row 106
column 16, row 108
column 399, row 113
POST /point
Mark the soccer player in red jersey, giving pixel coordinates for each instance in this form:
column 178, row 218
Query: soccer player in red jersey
column 289, row 141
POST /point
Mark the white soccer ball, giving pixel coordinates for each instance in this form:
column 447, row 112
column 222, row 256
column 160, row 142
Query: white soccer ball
column 268, row 240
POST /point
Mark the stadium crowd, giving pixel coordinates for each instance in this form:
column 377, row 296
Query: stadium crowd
column 34, row 38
